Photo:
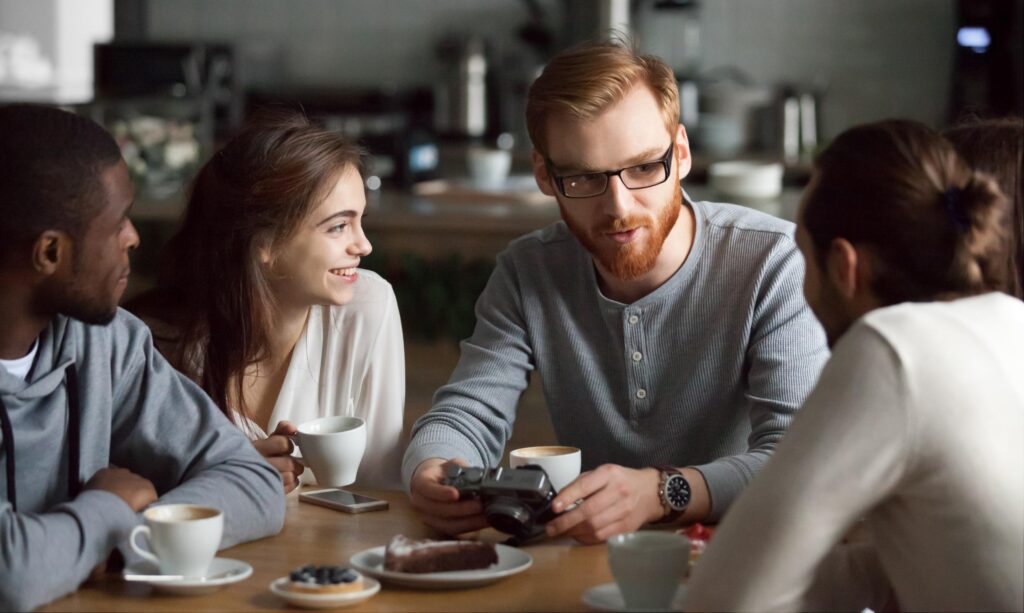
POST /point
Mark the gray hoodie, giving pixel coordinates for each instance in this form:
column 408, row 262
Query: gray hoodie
column 135, row 412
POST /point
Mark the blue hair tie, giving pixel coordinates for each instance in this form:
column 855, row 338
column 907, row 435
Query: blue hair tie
column 954, row 211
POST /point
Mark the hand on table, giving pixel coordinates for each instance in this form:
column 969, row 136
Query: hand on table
column 277, row 449
column 137, row 492
column 439, row 505
column 615, row 499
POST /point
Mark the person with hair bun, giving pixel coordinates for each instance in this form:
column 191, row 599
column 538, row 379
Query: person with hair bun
column 260, row 299
column 996, row 146
column 914, row 432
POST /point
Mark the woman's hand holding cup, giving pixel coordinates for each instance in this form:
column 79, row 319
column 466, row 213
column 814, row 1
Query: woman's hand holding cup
column 277, row 449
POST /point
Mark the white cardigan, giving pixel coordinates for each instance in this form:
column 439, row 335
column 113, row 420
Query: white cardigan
column 350, row 360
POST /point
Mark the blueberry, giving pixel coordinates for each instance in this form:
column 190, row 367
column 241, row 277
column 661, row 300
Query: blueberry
column 348, row 576
column 295, row 575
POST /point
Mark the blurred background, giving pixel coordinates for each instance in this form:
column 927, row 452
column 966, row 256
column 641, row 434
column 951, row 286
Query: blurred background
column 435, row 90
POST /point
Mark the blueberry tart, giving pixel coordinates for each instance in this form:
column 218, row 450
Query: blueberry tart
column 312, row 579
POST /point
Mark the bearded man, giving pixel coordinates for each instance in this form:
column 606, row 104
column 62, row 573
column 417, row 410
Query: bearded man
column 671, row 337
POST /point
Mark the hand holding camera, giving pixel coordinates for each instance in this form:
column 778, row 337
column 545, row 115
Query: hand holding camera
column 515, row 501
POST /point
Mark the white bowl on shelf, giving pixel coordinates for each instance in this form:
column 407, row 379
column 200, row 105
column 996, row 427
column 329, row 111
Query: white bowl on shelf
column 746, row 180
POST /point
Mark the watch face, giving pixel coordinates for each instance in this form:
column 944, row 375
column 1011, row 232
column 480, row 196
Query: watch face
column 677, row 491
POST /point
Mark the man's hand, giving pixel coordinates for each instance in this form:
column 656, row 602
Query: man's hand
column 614, row 499
column 136, row 491
column 439, row 505
column 277, row 449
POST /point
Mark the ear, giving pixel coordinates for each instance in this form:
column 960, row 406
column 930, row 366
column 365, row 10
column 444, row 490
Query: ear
column 540, row 174
column 843, row 267
column 263, row 245
column 51, row 251
column 683, row 158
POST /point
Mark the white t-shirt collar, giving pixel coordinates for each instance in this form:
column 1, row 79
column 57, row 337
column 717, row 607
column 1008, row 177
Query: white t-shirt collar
column 19, row 367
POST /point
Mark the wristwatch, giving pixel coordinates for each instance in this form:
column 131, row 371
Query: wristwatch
column 674, row 492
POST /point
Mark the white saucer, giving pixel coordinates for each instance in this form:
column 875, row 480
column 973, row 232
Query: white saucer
column 224, row 571
column 324, row 601
column 510, row 562
column 607, row 597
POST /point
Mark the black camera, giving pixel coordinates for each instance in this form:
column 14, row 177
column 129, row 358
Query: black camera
column 516, row 501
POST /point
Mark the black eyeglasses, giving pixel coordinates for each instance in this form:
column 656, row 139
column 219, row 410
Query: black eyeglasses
column 593, row 184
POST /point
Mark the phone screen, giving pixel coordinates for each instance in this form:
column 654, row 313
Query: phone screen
column 342, row 497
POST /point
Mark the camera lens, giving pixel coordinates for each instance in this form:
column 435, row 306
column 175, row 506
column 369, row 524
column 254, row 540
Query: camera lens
column 508, row 515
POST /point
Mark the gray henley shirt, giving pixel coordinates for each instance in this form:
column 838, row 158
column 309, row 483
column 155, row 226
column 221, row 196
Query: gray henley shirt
column 705, row 371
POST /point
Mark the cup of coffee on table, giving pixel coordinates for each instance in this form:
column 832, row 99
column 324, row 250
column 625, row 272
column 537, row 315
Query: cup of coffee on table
column 332, row 448
column 183, row 538
column 562, row 464
column 649, row 567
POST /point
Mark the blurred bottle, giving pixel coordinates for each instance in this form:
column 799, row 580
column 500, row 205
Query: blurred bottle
column 799, row 124
column 460, row 98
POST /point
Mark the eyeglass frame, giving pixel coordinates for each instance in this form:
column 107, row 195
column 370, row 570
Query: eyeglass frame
column 665, row 160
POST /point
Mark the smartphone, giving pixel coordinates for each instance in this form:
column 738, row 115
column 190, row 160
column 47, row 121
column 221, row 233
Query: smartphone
column 343, row 501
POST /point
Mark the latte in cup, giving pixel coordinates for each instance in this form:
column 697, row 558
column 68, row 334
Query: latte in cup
column 183, row 538
column 332, row 447
column 562, row 464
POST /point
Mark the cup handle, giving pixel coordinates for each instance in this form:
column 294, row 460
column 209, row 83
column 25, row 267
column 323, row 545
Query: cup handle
column 142, row 552
column 294, row 438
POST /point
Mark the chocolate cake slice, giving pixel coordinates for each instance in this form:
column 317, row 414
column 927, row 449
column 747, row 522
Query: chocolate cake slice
column 405, row 555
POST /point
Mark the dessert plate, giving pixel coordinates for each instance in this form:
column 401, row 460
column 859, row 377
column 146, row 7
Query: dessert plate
column 324, row 601
column 223, row 571
column 607, row 597
column 510, row 561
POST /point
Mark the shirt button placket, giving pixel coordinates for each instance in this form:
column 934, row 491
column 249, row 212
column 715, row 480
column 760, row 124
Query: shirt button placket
column 633, row 337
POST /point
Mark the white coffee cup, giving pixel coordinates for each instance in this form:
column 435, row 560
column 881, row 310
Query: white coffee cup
column 333, row 448
column 562, row 464
column 488, row 168
column 648, row 567
column 184, row 538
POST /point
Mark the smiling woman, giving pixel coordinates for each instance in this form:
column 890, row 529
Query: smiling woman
column 260, row 299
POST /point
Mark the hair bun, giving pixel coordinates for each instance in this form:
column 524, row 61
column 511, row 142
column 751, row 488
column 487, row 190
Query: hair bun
column 985, row 237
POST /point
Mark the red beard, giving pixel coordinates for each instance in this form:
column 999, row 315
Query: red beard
column 632, row 260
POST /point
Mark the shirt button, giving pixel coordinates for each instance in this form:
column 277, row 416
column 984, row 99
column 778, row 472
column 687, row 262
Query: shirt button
column 641, row 393
column 637, row 356
column 633, row 319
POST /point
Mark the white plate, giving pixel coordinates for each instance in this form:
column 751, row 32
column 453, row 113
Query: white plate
column 607, row 597
column 324, row 601
column 224, row 571
column 510, row 561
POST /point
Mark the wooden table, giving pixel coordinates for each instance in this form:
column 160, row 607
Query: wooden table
column 561, row 569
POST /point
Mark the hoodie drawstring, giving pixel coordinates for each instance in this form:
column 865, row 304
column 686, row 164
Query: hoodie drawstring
column 74, row 427
column 8, row 432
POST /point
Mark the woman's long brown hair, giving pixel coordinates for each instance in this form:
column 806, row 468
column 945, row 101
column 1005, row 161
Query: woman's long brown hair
column 251, row 196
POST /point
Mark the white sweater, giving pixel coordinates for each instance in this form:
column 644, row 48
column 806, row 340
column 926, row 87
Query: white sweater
column 916, row 427
column 350, row 360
